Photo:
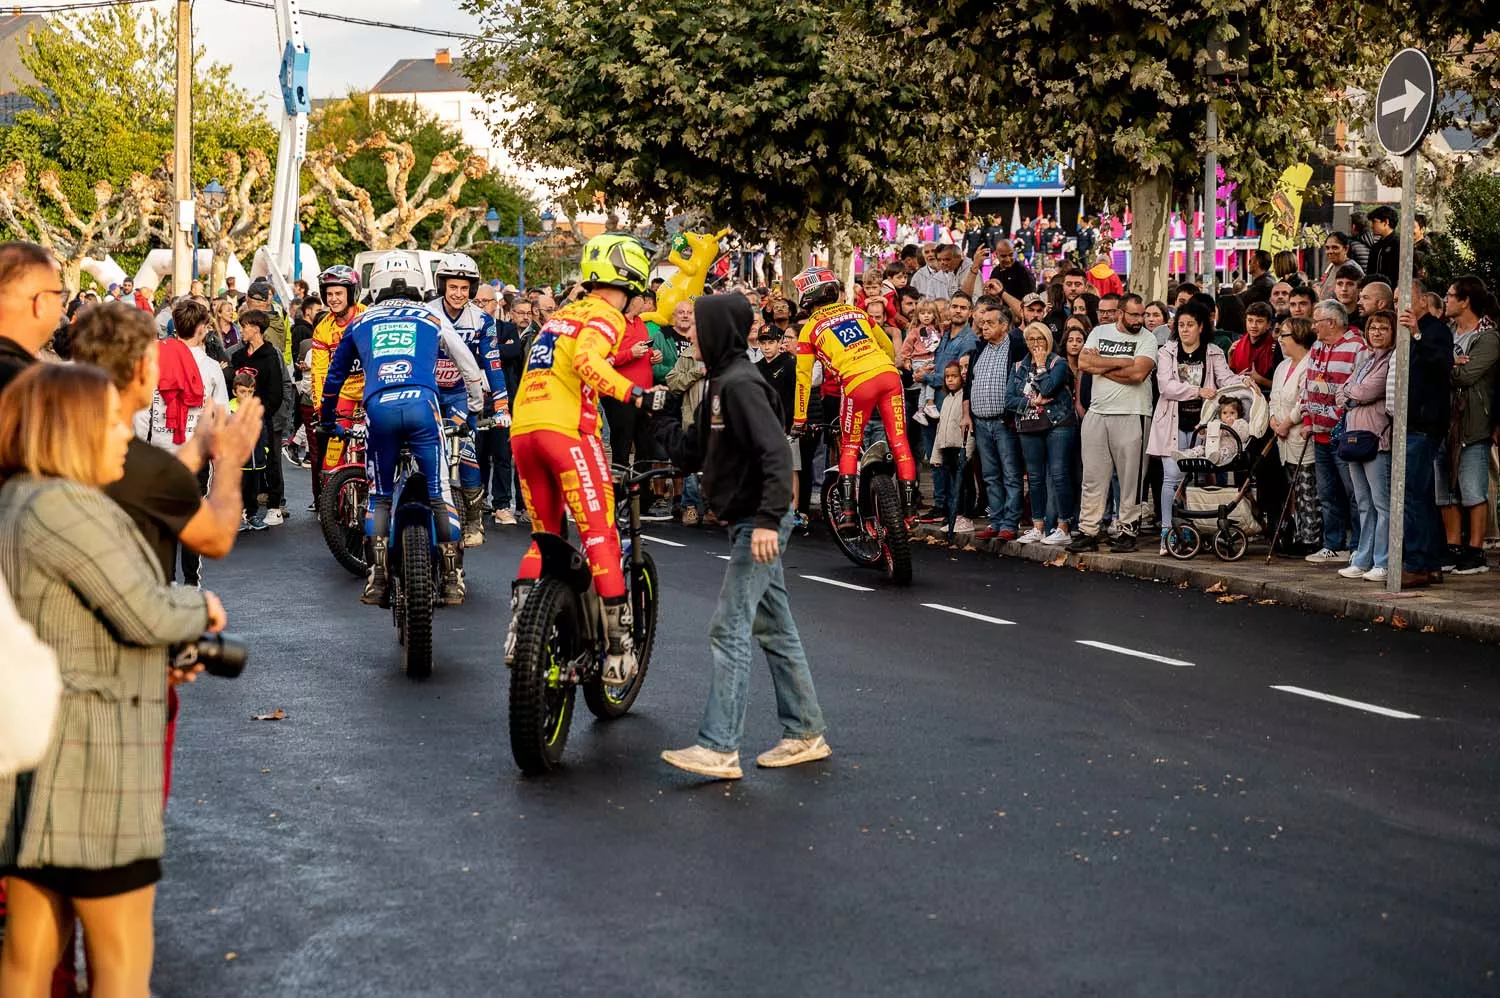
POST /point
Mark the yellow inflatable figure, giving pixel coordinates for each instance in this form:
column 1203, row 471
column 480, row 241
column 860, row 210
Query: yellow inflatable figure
column 693, row 253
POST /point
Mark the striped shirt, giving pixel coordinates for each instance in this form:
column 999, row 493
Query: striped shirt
column 1330, row 365
column 991, row 372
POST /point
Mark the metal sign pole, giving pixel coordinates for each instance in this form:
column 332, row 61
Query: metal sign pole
column 1405, row 300
column 1210, row 202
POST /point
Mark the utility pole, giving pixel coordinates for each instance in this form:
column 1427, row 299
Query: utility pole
column 1211, row 201
column 182, row 155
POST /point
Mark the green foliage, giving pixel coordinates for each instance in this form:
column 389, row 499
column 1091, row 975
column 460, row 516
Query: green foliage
column 105, row 85
column 354, row 119
column 767, row 115
column 1474, row 223
column 1122, row 86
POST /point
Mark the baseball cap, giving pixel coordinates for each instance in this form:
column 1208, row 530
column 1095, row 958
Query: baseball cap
column 259, row 290
column 1033, row 299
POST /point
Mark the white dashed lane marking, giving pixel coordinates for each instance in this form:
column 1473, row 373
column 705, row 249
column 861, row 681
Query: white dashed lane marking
column 967, row 613
column 662, row 540
column 836, row 582
column 1133, row 653
column 1356, row 704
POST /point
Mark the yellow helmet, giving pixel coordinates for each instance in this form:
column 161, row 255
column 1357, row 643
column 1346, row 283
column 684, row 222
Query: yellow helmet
column 616, row 261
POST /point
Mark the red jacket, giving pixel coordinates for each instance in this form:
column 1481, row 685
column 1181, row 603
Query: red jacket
column 180, row 384
column 637, row 369
column 143, row 302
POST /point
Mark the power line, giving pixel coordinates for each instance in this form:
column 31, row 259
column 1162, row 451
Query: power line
column 65, row 6
column 365, row 22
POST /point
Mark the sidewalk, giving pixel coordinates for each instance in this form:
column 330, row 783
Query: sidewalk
column 1466, row 606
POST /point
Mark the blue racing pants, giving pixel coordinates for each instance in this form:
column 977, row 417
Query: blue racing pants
column 455, row 406
column 407, row 417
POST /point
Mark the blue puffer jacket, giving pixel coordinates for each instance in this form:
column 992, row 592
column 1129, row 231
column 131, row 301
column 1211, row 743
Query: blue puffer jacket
column 1053, row 383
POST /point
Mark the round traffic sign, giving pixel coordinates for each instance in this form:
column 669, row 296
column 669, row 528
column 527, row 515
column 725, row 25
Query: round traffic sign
column 1405, row 101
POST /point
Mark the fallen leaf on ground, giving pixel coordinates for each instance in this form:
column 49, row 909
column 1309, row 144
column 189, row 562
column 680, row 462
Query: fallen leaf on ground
column 1267, row 602
column 1398, row 622
column 1080, row 567
column 1234, row 598
column 275, row 715
column 1217, row 587
column 1428, row 629
column 1061, row 559
column 1183, row 584
column 230, row 956
column 1379, row 620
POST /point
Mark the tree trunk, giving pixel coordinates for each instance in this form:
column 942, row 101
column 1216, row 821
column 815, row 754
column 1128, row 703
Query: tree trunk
column 217, row 269
column 794, row 249
column 72, row 274
column 1150, row 234
column 841, row 254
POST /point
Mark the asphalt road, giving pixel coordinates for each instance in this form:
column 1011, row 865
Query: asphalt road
column 1007, row 811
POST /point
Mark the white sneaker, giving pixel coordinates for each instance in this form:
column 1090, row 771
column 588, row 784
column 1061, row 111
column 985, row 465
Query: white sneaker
column 1374, row 575
column 1031, row 536
column 919, row 417
column 505, row 518
column 793, row 752
column 1352, row 572
column 931, row 411
column 1058, row 537
column 705, row 762
column 963, row 525
column 1323, row 556
column 274, row 517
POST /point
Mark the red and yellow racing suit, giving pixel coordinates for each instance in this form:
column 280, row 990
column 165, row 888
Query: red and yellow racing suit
column 325, row 340
column 554, row 436
column 860, row 355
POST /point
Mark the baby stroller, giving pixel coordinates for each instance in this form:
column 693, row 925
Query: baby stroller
column 1202, row 508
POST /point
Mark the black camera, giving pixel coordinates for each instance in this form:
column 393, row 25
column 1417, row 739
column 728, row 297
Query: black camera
column 219, row 654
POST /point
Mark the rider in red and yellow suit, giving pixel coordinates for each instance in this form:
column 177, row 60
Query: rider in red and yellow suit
column 860, row 356
column 325, row 340
column 554, row 434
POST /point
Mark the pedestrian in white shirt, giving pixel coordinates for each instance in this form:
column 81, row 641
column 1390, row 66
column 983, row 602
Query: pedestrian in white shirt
column 29, row 691
column 190, row 323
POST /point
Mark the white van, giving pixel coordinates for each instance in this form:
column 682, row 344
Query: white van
column 425, row 261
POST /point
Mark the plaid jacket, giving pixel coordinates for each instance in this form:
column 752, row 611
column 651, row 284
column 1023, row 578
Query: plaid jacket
column 83, row 577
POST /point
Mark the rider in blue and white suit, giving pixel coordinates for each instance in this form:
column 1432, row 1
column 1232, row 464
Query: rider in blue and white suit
column 398, row 343
column 457, row 279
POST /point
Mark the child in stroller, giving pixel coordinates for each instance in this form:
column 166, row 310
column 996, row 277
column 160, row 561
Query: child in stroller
column 1232, row 439
column 1219, row 447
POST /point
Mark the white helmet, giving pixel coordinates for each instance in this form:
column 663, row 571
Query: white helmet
column 457, row 265
column 395, row 276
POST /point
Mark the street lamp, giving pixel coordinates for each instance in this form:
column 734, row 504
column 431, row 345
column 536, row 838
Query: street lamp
column 549, row 223
column 213, row 197
column 492, row 223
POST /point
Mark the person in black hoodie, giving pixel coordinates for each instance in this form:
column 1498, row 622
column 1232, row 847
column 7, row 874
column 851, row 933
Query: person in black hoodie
column 738, row 443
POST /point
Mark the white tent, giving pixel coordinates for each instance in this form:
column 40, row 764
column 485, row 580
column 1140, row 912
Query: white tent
column 157, row 267
column 105, row 272
column 307, row 257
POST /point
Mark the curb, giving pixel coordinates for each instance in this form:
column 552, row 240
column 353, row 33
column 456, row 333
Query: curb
column 1359, row 607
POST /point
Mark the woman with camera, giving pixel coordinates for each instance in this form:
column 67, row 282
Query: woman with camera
column 85, row 827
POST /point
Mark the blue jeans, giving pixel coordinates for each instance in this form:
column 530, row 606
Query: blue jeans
column 1049, row 467
column 1000, row 460
column 501, row 469
column 1372, row 497
column 947, row 478
column 1335, row 485
column 753, row 604
column 1423, row 543
column 690, row 494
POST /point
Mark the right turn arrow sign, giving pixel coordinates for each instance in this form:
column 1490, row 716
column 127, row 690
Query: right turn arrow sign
column 1404, row 103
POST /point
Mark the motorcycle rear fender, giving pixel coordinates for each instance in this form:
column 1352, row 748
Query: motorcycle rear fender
column 563, row 561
